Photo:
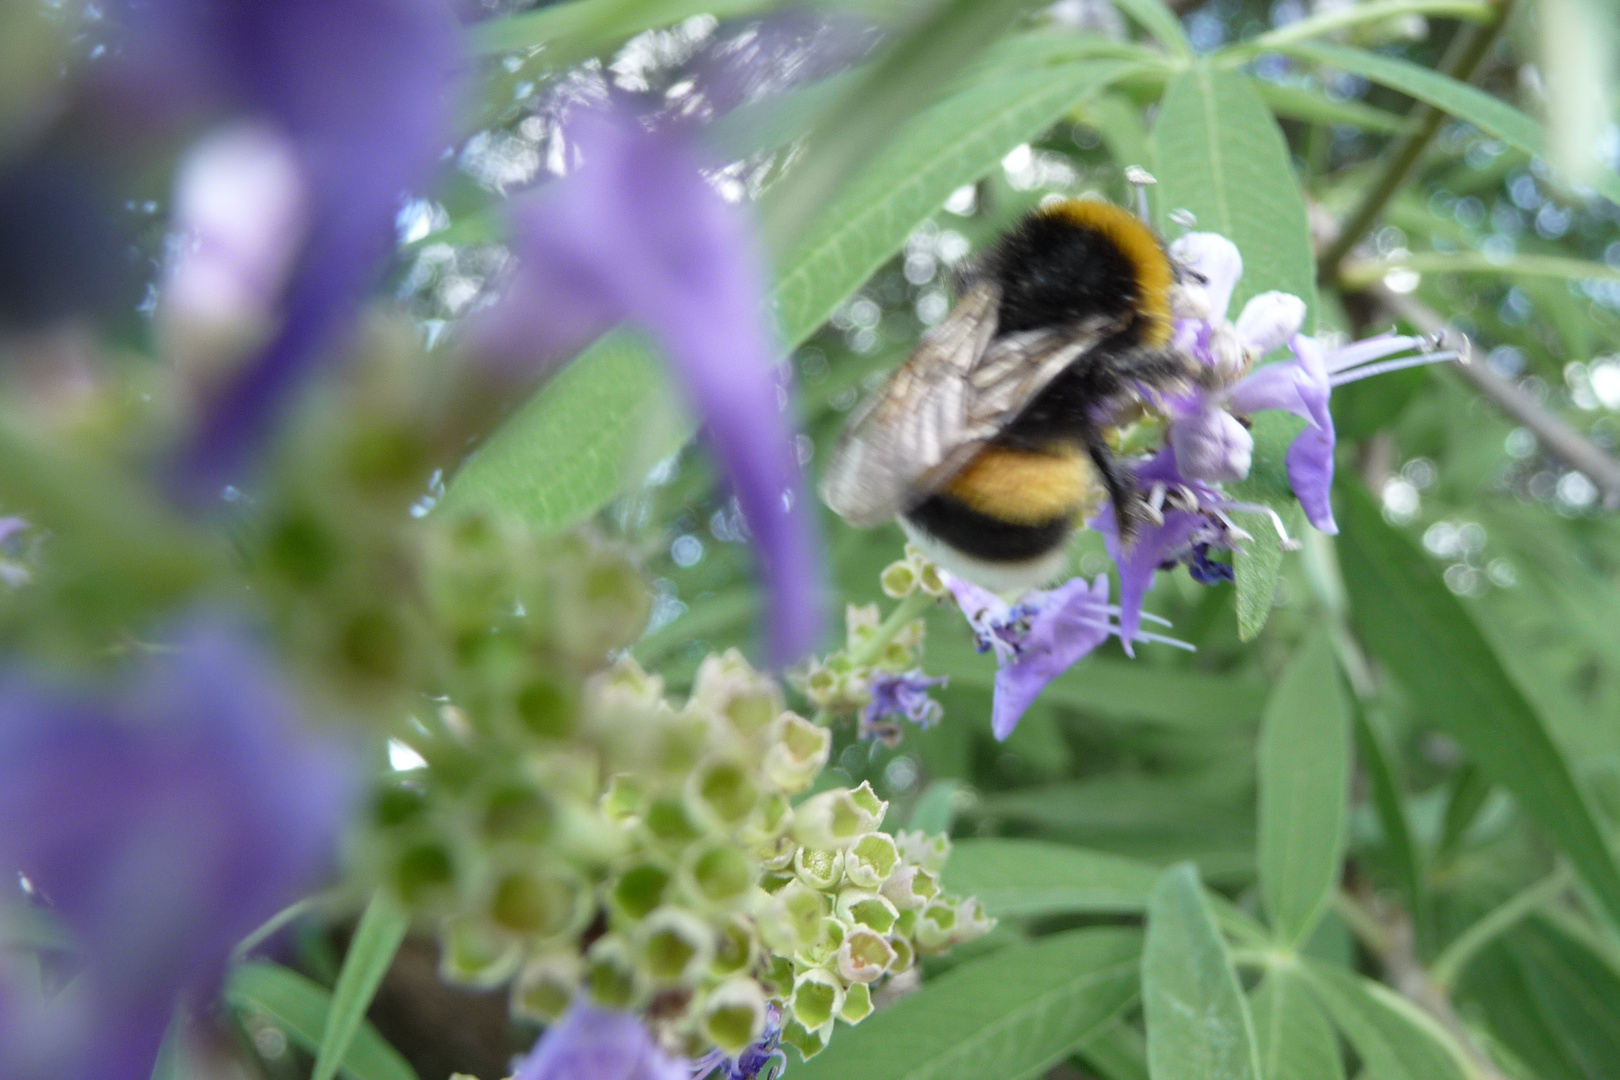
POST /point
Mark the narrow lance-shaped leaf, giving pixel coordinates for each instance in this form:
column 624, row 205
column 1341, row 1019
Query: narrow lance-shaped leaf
column 1296, row 1041
column 1304, row 784
column 1198, row 1024
column 1218, row 153
column 371, row 951
column 300, row 1006
column 1414, row 625
column 1393, row 1038
column 1011, row 1015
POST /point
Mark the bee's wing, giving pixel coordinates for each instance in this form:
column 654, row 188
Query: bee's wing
column 939, row 408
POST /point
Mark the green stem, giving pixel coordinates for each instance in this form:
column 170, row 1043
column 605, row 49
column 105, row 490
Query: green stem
column 1362, row 923
column 1462, row 59
column 1358, row 15
column 904, row 612
column 1450, row 963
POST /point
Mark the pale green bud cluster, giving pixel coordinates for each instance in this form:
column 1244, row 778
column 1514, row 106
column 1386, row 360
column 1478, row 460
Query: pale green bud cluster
column 910, row 574
column 576, row 831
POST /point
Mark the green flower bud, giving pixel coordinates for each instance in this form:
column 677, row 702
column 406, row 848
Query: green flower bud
column 638, row 891
column 547, row 707
column 776, row 976
column 546, row 986
column 797, row 751
column 624, row 797
column 857, row 1004
column 928, row 579
column 718, row 876
column 519, row 812
column 424, row 876
column 864, row 956
column 865, row 798
column 904, row 955
column 860, row 623
column 748, row 700
column 870, row 860
column 612, row 977
column 667, row 820
column 898, row 580
column 474, row 952
column 927, row 851
column 819, row 868
column 807, row 1042
column 541, row 904
column 735, row 947
column 837, row 818
column 721, row 793
column 733, row 1015
column 822, row 951
column 910, row 887
column 792, row 919
column 817, row 996
column 860, row 908
column 936, row 927
column 674, row 947
column 906, row 924
column 972, row 920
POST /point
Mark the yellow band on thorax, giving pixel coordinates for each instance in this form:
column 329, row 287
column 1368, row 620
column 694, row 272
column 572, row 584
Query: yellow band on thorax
column 1139, row 245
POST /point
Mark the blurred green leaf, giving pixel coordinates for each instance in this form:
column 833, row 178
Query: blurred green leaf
column 300, row 1007
column 1157, row 19
column 953, row 143
column 1198, row 1024
column 1013, row 877
column 1011, row 1015
column 1296, row 1041
column 371, row 951
column 573, row 31
column 935, row 811
column 172, row 1062
column 1394, row 1039
column 1491, row 115
column 1315, row 107
column 1304, row 790
column 1389, row 803
column 1218, row 153
column 1116, row 1052
column 1363, row 272
column 1421, row 632
column 1577, row 990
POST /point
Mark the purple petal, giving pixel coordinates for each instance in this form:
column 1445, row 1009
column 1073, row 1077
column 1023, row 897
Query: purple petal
column 362, row 89
column 1152, row 546
column 1270, row 319
column 1217, row 260
column 1212, row 446
column 637, row 233
column 1071, row 622
column 599, row 1044
column 1287, row 385
column 161, row 824
column 1310, row 474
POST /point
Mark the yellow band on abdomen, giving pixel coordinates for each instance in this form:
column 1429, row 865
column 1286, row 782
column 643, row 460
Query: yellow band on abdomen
column 1026, row 487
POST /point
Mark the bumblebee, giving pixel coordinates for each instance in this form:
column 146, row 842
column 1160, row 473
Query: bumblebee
column 989, row 441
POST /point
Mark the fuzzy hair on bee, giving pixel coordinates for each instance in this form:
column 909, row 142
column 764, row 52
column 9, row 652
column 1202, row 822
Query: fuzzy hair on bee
column 989, row 441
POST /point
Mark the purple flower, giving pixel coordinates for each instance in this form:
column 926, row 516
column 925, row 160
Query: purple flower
column 637, row 234
column 761, row 1061
column 897, row 697
column 1209, row 443
column 162, row 820
column 1042, row 636
column 357, row 94
column 599, row 1044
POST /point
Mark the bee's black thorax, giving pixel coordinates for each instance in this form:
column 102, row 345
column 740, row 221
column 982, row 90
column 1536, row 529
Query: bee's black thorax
column 1056, row 272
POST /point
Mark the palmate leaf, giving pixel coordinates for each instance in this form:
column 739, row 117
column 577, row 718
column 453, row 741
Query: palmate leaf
column 1296, row 1041
column 1011, row 1015
column 1198, row 1023
column 563, row 455
column 1218, row 152
column 1414, row 625
column 1304, row 789
column 300, row 1007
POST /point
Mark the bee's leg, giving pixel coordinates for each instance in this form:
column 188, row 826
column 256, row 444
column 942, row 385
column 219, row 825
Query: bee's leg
column 1157, row 368
column 1122, row 493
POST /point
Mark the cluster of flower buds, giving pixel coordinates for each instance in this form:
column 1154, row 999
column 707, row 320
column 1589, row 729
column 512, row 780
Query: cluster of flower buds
column 876, row 677
column 575, row 832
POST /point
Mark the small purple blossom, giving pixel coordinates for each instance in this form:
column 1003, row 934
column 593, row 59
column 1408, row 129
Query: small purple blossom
column 899, row 696
column 590, row 1043
column 161, row 820
column 1042, row 636
column 636, row 233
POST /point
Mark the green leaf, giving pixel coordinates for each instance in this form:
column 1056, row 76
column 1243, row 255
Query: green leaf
column 172, row 1061
column 1422, row 633
column 300, row 1007
column 1116, row 1052
column 1393, row 1038
column 585, row 27
column 1011, row 1015
column 1034, row 877
column 1304, row 789
column 1296, row 1041
column 1578, row 992
column 1157, row 19
column 371, row 951
column 934, row 811
column 1198, row 1025
column 1312, row 106
column 566, row 451
column 1217, row 151
column 1491, row 115
column 1389, row 803
column 953, row 143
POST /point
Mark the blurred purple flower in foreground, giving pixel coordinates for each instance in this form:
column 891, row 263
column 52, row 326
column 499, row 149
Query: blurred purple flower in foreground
column 1042, row 636
column 349, row 101
column 589, row 1043
column 637, row 234
column 162, row 822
